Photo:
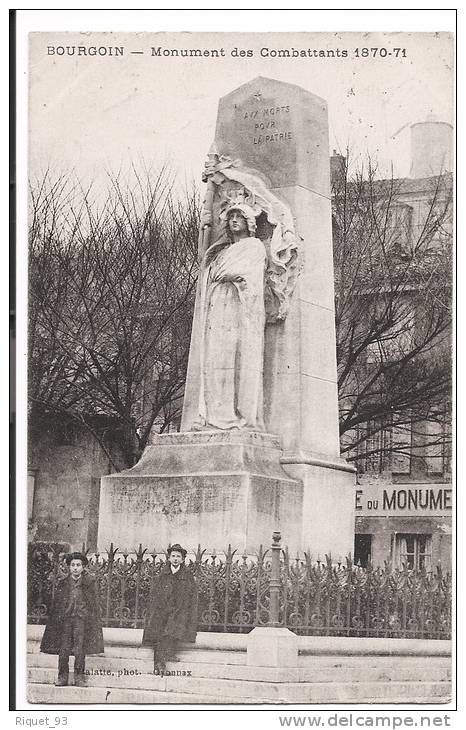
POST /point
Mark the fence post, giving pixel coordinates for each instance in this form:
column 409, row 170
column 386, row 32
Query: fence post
column 274, row 645
column 275, row 580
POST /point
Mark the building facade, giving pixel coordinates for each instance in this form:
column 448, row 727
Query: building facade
column 403, row 498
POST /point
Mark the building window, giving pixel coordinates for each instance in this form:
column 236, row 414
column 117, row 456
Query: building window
column 382, row 446
column 374, row 447
column 399, row 229
column 394, row 341
column 362, row 550
column 436, row 451
column 414, row 551
column 401, row 446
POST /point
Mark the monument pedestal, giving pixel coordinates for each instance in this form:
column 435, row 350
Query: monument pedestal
column 208, row 488
column 327, row 512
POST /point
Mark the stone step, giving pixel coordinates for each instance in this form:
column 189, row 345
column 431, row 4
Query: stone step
column 322, row 661
column 335, row 660
column 328, row 646
column 122, row 668
column 186, row 685
column 49, row 694
column 377, row 669
column 146, row 653
column 340, row 670
column 236, row 690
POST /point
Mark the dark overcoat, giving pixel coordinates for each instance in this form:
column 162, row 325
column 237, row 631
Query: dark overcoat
column 172, row 607
column 93, row 636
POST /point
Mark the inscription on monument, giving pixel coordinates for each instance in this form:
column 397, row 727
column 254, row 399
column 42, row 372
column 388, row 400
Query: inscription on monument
column 261, row 125
column 269, row 124
column 192, row 496
column 279, row 130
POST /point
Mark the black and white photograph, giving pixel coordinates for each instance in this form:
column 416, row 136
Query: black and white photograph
column 239, row 287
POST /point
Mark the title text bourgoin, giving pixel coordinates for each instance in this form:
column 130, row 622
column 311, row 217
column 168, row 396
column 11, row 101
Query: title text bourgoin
column 160, row 52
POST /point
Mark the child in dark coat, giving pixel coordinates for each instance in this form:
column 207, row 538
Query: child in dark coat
column 171, row 614
column 74, row 625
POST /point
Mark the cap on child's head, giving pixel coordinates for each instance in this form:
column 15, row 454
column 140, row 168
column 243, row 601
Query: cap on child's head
column 76, row 556
column 178, row 549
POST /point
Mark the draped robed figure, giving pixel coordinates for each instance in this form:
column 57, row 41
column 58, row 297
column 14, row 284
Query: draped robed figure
column 245, row 283
column 233, row 320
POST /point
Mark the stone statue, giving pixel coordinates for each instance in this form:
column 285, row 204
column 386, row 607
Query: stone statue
column 245, row 282
column 258, row 446
column 233, row 318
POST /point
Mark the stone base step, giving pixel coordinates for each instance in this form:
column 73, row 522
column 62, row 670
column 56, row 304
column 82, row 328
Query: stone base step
column 259, row 692
column 45, row 694
column 316, row 669
column 328, row 646
column 238, row 657
column 212, row 686
column 146, row 653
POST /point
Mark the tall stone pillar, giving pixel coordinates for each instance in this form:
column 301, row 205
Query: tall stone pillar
column 281, row 130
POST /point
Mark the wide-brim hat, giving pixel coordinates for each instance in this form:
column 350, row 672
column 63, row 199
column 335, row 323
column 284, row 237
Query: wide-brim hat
column 76, row 556
column 178, row 549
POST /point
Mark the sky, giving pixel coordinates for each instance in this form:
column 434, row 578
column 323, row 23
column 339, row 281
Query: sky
column 97, row 113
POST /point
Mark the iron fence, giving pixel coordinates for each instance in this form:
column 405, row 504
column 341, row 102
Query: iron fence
column 238, row 592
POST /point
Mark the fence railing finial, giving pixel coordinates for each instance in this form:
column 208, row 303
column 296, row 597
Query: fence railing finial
column 275, row 580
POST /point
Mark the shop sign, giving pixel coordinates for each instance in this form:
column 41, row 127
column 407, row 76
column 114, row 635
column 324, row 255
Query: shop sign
column 403, row 500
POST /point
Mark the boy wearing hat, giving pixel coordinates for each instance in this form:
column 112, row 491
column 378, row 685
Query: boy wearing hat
column 74, row 625
column 171, row 614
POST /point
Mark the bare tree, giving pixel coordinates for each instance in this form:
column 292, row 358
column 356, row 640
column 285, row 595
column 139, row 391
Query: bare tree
column 393, row 256
column 111, row 292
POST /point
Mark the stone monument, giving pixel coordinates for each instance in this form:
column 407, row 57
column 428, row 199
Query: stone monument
column 259, row 444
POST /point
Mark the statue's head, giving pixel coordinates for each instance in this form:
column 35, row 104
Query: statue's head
column 243, row 215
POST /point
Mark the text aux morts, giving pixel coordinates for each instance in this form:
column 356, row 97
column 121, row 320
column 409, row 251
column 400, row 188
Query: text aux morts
column 399, row 499
column 264, row 121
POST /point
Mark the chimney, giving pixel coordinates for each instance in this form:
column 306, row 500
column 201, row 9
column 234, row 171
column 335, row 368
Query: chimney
column 337, row 167
column 431, row 148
